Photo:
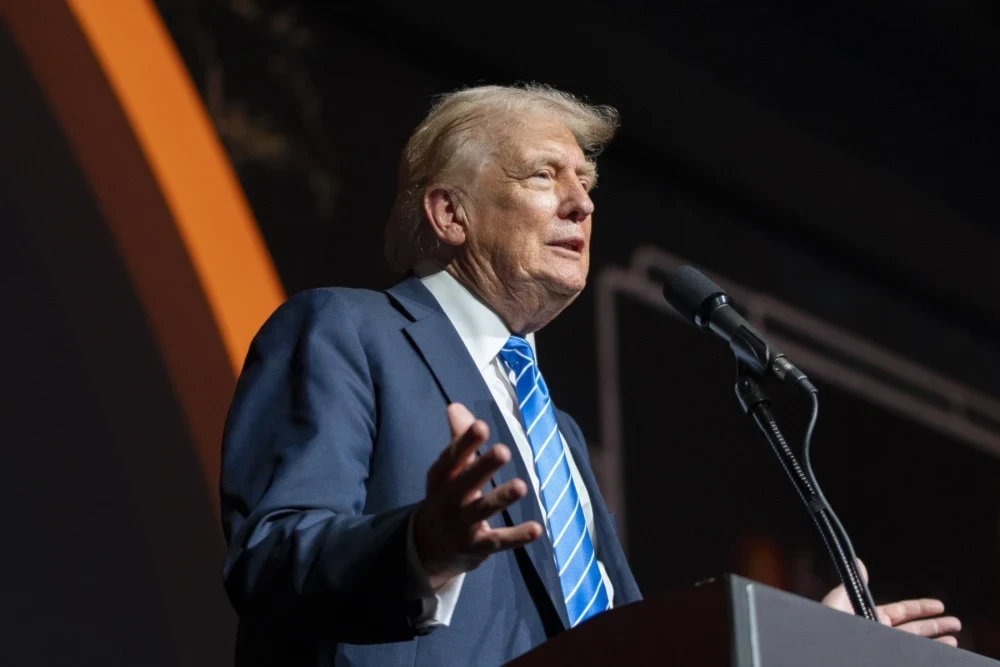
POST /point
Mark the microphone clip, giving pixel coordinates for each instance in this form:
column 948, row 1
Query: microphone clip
column 753, row 355
column 749, row 393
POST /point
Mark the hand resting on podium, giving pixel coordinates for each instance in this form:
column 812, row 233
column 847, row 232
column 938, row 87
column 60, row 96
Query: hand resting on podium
column 920, row 617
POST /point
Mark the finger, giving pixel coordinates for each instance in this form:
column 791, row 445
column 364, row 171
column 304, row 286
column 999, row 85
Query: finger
column 498, row 499
column 459, row 419
column 947, row 639
column 461, row 452
column 457, row 455
column 862, row 570
column 476, row 475
column 908, row 610
column 932, row 627
column 501, row 539
column 468, row 434
column 460, row 423
column 837, row 599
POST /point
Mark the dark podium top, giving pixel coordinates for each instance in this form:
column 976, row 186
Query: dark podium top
column 736, row 622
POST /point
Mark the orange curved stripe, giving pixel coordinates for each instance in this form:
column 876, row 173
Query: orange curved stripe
column 188, row 160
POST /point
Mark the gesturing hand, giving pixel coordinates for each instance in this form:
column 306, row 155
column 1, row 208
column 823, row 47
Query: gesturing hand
column 450, row 528
column 920, row 617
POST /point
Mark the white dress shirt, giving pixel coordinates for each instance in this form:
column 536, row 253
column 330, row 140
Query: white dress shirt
column 484, row 335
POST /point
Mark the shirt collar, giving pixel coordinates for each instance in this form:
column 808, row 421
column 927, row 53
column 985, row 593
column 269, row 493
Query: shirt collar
column 479, row 327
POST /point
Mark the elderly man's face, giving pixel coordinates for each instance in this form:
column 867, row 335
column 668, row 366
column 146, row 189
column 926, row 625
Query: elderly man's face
column 530, row 211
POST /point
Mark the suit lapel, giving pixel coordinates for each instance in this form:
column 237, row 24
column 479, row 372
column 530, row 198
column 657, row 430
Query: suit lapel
column 448, row 359
column 540, row 551
column 442, row 349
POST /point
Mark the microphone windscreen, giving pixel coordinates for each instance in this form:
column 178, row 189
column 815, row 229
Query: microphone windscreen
column 687, row 288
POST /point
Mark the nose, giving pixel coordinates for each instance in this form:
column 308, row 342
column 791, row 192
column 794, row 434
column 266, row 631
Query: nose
column 577, row 204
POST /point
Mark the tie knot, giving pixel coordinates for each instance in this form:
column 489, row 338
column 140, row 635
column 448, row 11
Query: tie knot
column 517, row 353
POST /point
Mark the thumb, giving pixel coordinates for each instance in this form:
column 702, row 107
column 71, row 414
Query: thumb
column 883, row 618
column 862, row 570
column 838, row 599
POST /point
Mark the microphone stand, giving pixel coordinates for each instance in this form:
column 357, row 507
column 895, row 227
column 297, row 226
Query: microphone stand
column 756, row 404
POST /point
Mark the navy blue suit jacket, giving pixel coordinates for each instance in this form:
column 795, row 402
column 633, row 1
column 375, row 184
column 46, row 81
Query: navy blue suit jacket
column 338, row 414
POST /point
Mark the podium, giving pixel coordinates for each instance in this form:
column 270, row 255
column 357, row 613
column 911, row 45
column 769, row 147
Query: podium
column 735, row 622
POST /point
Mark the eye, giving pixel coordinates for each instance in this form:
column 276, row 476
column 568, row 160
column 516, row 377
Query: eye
column 545, row 174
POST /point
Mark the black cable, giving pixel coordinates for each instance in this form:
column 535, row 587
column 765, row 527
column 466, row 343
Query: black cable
column 807, row 461
column 756, row 404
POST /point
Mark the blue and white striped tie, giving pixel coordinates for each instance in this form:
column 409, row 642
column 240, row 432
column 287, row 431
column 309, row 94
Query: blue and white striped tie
column 583, row 587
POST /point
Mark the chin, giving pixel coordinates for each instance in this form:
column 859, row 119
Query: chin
column 566, row 285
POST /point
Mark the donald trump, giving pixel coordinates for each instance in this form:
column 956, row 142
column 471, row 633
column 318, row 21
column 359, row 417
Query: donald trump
column 399, row 487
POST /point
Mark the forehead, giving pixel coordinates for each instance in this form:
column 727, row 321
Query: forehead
column 535, row 137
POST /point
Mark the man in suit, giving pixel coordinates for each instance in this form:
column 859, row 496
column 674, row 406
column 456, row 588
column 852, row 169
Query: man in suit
column 372, row 515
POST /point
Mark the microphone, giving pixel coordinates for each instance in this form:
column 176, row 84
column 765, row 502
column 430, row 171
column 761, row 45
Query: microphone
column 708, row 306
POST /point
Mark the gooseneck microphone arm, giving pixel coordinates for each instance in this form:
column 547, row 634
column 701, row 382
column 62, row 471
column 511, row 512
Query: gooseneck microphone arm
column 757, row 405
column 703, row 302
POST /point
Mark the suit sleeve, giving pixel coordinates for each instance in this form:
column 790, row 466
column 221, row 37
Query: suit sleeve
column 302, row 557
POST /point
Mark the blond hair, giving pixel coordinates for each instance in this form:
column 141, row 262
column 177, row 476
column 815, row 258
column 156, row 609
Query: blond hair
column 460, row 132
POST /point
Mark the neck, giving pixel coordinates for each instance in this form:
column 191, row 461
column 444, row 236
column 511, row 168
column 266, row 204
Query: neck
column 525, row 306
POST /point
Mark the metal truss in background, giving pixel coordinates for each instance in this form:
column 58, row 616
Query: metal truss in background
column 822, row 350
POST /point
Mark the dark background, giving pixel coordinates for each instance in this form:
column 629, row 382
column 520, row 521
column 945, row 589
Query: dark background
column 839, row 156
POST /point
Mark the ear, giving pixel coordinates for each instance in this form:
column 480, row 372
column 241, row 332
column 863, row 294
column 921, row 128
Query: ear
column 444, row 211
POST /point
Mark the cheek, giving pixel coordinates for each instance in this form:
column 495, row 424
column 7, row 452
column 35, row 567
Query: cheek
column 527, row 227
column 527, row 247
column 511, row 246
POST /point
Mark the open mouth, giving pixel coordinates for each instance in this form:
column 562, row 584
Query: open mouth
column 573, row 245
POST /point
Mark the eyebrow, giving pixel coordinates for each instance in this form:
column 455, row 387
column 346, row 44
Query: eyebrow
column 588, row 169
